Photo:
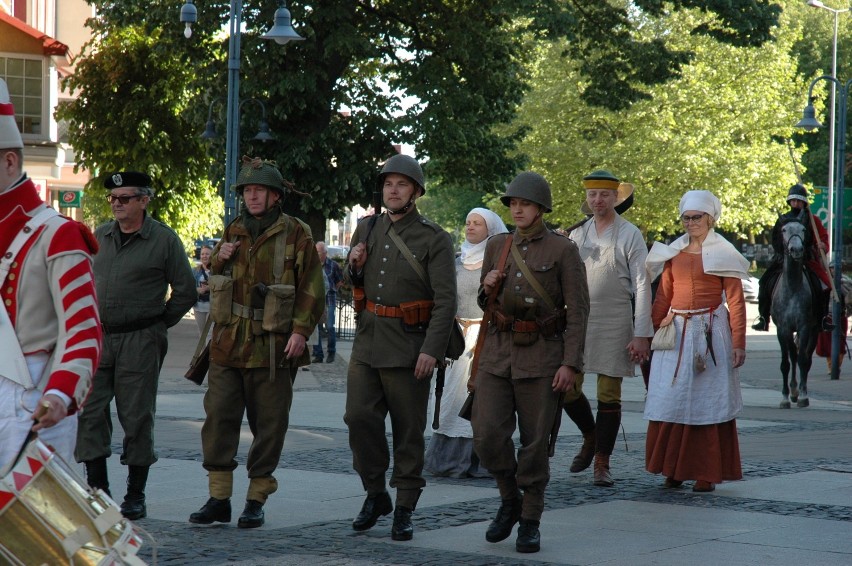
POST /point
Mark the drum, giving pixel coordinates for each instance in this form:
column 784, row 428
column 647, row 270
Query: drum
column 49, row 516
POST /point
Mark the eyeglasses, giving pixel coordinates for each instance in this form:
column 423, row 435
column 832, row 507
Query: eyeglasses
column 694, row 219
column 121, row 199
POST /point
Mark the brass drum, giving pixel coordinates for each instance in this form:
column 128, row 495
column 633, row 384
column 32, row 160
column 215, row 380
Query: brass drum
column 49, row 516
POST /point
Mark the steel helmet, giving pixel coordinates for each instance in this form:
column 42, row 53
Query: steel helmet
column 260, row 172
column 798, row 192
column 529, row 186
column 404, row 165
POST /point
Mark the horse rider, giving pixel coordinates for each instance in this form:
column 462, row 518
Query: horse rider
column 819, row 278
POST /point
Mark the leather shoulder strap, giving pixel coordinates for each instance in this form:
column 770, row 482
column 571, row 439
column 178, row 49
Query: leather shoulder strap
column 408, row 255
column 516, row 255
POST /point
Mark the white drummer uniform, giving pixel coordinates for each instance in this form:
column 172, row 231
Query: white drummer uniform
column 50, row 324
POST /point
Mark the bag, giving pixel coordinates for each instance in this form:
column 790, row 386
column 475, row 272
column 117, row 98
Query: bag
column 359, row 299
column 221, row 297
column 466, row 411
column 455, row 347
column 198, row 367
column 664, row 337
column 278, row 308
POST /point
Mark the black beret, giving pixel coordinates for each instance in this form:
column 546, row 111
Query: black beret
column 127, row 179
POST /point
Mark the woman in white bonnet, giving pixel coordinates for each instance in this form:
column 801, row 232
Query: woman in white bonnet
column 450, row 451
column 694, row 389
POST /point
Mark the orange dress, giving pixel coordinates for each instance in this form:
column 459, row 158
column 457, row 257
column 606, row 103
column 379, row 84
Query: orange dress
column 708, row 452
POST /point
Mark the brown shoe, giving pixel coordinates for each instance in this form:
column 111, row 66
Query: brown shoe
column 702, row 486
column 672, row 483
column 602, row 476
column 584, row 457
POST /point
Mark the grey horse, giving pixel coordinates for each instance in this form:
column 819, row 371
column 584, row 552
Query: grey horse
column 793, row 313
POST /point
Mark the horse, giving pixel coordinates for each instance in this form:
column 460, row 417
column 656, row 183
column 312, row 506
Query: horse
column 793, row 313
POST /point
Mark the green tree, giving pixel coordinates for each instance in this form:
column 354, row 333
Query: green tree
column 719, row 126
column 334, row 100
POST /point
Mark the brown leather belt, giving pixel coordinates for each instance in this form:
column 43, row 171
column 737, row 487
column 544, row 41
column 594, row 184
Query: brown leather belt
column 382, row 310
column 468, row 322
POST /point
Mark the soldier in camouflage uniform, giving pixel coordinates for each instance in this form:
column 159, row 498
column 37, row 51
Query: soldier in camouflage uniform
column 267, row 295
column 394, row 354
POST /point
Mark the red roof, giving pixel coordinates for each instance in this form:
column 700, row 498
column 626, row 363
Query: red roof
column 50, row 45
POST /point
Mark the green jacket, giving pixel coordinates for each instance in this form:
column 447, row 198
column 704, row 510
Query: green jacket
column 234, row 344
column 389, row 280
column 132, row 280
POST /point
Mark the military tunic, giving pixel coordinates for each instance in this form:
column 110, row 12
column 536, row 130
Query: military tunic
column 240, row 379
column 519, row 379
column 384, row 354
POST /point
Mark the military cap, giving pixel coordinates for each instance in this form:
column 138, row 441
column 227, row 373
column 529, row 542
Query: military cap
column 127, row 179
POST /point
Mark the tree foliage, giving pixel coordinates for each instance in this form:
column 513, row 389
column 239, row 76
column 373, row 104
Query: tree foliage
column 720, row 126
column 445, row 76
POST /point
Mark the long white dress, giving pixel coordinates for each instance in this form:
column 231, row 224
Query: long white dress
column 450, row 451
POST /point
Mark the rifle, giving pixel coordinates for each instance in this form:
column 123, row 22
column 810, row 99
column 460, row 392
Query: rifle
column 440, row 378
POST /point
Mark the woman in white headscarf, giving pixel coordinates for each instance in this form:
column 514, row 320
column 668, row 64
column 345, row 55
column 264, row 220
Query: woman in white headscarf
column 450, row 451
column 694, row 390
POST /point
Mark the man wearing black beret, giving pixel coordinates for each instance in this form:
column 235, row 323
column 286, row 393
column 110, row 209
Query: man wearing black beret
column 139, row 259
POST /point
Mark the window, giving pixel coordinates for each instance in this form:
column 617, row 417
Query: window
column 25, row 78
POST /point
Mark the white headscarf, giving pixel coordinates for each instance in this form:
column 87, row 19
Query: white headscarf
column 705, row 201
column 718, row 255
column 474, row 253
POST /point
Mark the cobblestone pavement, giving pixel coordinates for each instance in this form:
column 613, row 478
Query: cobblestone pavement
column 776, row 444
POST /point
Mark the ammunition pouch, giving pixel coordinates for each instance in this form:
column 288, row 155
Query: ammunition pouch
column 359, row 299
column 278, row 308
column 553, row 326
column 416, row 315
column 524, row 332
column 221, row 297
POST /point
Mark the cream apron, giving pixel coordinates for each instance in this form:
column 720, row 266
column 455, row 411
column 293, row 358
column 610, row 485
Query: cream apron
column 610, row 326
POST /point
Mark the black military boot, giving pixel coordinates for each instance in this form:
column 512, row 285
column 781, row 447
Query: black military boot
column 508, row 514
column 133, row 506
column 215, row 510
column 96, row 474
column 402, row 528
column 529, row 538
column 252, row 516
column 581, row 414
column 375, row 506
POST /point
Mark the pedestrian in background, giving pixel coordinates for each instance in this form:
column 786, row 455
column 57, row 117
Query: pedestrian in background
column 334, row 276
column 50, row 333
column 266, row 299
column 450, row 452
column 619, row 331
column 694, row 389
column 533, row 353
column 405, row 294
column 201, row 310
column 139, row 260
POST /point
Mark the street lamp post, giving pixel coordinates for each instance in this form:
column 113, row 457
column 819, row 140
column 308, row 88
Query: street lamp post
column 281, row 32
column 809, row 122
column 831, row 195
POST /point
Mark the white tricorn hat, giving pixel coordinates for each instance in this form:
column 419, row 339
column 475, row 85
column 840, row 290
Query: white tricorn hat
column 10, row 136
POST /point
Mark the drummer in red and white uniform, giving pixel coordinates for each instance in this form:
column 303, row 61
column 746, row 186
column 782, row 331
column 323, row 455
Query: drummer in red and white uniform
column 50, row 334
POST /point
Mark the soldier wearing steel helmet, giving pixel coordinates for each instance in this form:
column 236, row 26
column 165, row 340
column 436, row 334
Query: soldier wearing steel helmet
column 797, row 198
column 402, row 269
column 533, row 353
column 267, row 295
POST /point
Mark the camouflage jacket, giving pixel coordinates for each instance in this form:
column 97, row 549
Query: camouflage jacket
column 234, row 344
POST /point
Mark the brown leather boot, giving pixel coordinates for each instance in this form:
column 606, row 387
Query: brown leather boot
column 584, row 457
column 602, row 475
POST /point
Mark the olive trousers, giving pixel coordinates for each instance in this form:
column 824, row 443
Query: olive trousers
column 372, row 394
column 499, row 404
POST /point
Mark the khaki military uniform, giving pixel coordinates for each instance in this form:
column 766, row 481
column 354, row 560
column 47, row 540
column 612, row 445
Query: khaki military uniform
column 132, row 280
column 519, row 378
column 381, row 370
column 242, row 378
